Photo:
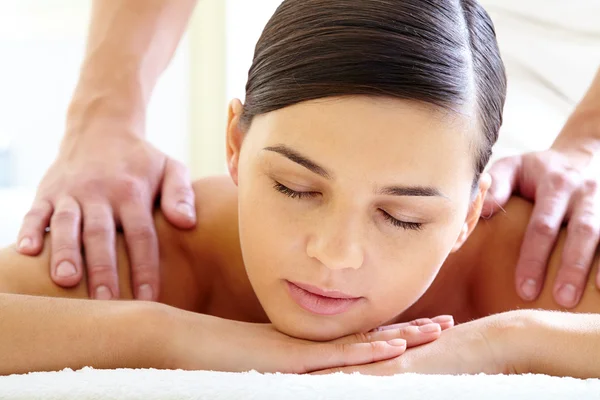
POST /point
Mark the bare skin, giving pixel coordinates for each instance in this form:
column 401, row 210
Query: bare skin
column 388, row 226
column 202, row 270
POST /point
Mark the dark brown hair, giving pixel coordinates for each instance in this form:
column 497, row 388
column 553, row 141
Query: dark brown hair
column 440, row 52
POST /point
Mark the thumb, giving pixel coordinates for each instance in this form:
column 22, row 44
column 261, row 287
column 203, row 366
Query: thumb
column 177, row 198
column 504, row 175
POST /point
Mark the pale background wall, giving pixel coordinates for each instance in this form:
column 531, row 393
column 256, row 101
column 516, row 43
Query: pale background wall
column 551, row 48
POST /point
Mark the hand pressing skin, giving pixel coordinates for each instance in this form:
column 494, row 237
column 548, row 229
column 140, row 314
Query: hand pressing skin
column 86, row 195
column 561, row 193
column 106, row 175
column 564, row 189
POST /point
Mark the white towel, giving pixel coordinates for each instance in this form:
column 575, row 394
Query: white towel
column 149, row 384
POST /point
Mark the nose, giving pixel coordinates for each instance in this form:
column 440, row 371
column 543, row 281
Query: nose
column 337, row 242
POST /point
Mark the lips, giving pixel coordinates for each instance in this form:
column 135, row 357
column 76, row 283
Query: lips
column 319, row 301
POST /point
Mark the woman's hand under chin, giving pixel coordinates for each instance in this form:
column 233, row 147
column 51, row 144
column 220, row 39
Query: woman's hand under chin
column 197, row 341
column 493, row 345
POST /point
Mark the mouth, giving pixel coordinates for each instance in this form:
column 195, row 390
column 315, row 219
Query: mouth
column 319, row 301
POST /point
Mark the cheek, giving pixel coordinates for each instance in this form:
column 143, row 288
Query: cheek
column 404, row 269
column 269, row 236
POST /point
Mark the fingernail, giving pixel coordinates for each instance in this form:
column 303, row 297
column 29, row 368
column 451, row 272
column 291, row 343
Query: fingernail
column 529, row 289
column 429, row 328
column 397, row 342
column 65, row 269
column 103, row 293
column 185, row 209
column 145, row 292
column 25, row 243
column 440, row 319
column 567, row 295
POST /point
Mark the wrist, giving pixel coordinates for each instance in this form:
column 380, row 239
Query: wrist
column 99, row 104
column 151, row 339
column 581, row 135
column 515, row 331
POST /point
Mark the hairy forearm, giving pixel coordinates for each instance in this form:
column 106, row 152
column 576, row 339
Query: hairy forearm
column 44, row 333
column 582, row 130
column 130, row 43
column 562, row 344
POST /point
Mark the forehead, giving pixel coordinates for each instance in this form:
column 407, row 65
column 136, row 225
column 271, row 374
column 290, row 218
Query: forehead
column 375, row 138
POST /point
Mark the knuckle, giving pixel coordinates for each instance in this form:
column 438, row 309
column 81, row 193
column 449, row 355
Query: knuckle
column 96, row 230
column 145, row 273
column 64, row 215
column 534, row 267
column 140, row 233
column 102, row 269
column 576, row 267
column 585, row 227
column 421, row 321
column 183, row 191
column 92, row 184
column 130, row 188
column 363, row 337
column 543, row 226
column 376, row 350
column 590, row 186
column 66, row 251
column 35, row 213
column 559, row 180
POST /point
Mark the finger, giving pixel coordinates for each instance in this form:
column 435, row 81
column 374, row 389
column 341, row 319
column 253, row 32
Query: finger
column 552, row 199
column 583, row 235
column 31, row 236
column 65, row 260
column 100, row 253
column 177, row 198
column 142, row 246
column 414, row 322
column 413, row 334
column 331, row 355
column 504, row 175
column 445, row 322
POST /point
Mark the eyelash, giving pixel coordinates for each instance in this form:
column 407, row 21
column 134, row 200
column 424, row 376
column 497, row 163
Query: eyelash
column 292, row 193
column 415, row 226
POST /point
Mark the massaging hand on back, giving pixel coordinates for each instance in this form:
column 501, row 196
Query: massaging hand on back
column 563, row 187
column 107, row 176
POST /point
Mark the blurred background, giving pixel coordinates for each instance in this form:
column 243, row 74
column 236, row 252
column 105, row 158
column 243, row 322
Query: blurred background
column 551, row 49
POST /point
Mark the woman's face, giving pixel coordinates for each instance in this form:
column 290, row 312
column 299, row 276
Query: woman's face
column 349, row 206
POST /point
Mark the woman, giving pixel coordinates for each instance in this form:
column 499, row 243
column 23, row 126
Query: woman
column 356, row 170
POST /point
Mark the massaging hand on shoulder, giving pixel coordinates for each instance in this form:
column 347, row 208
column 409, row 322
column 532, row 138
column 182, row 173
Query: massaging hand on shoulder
column 563, row 188
column 514, row 342
column 106, row 175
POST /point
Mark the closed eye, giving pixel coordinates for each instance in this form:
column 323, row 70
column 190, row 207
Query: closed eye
column 415, row 226
column 292, row 193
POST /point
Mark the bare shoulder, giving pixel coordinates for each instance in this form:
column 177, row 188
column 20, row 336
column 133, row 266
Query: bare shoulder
column 493, row 286
column 214, row 243
column 187, row 257
column 216, row 210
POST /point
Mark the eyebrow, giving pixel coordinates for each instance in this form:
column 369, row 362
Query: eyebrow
column 413, row 191
column 418, row 191
column 300, row 159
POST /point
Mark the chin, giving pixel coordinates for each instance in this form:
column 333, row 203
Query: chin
column 313, row 332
